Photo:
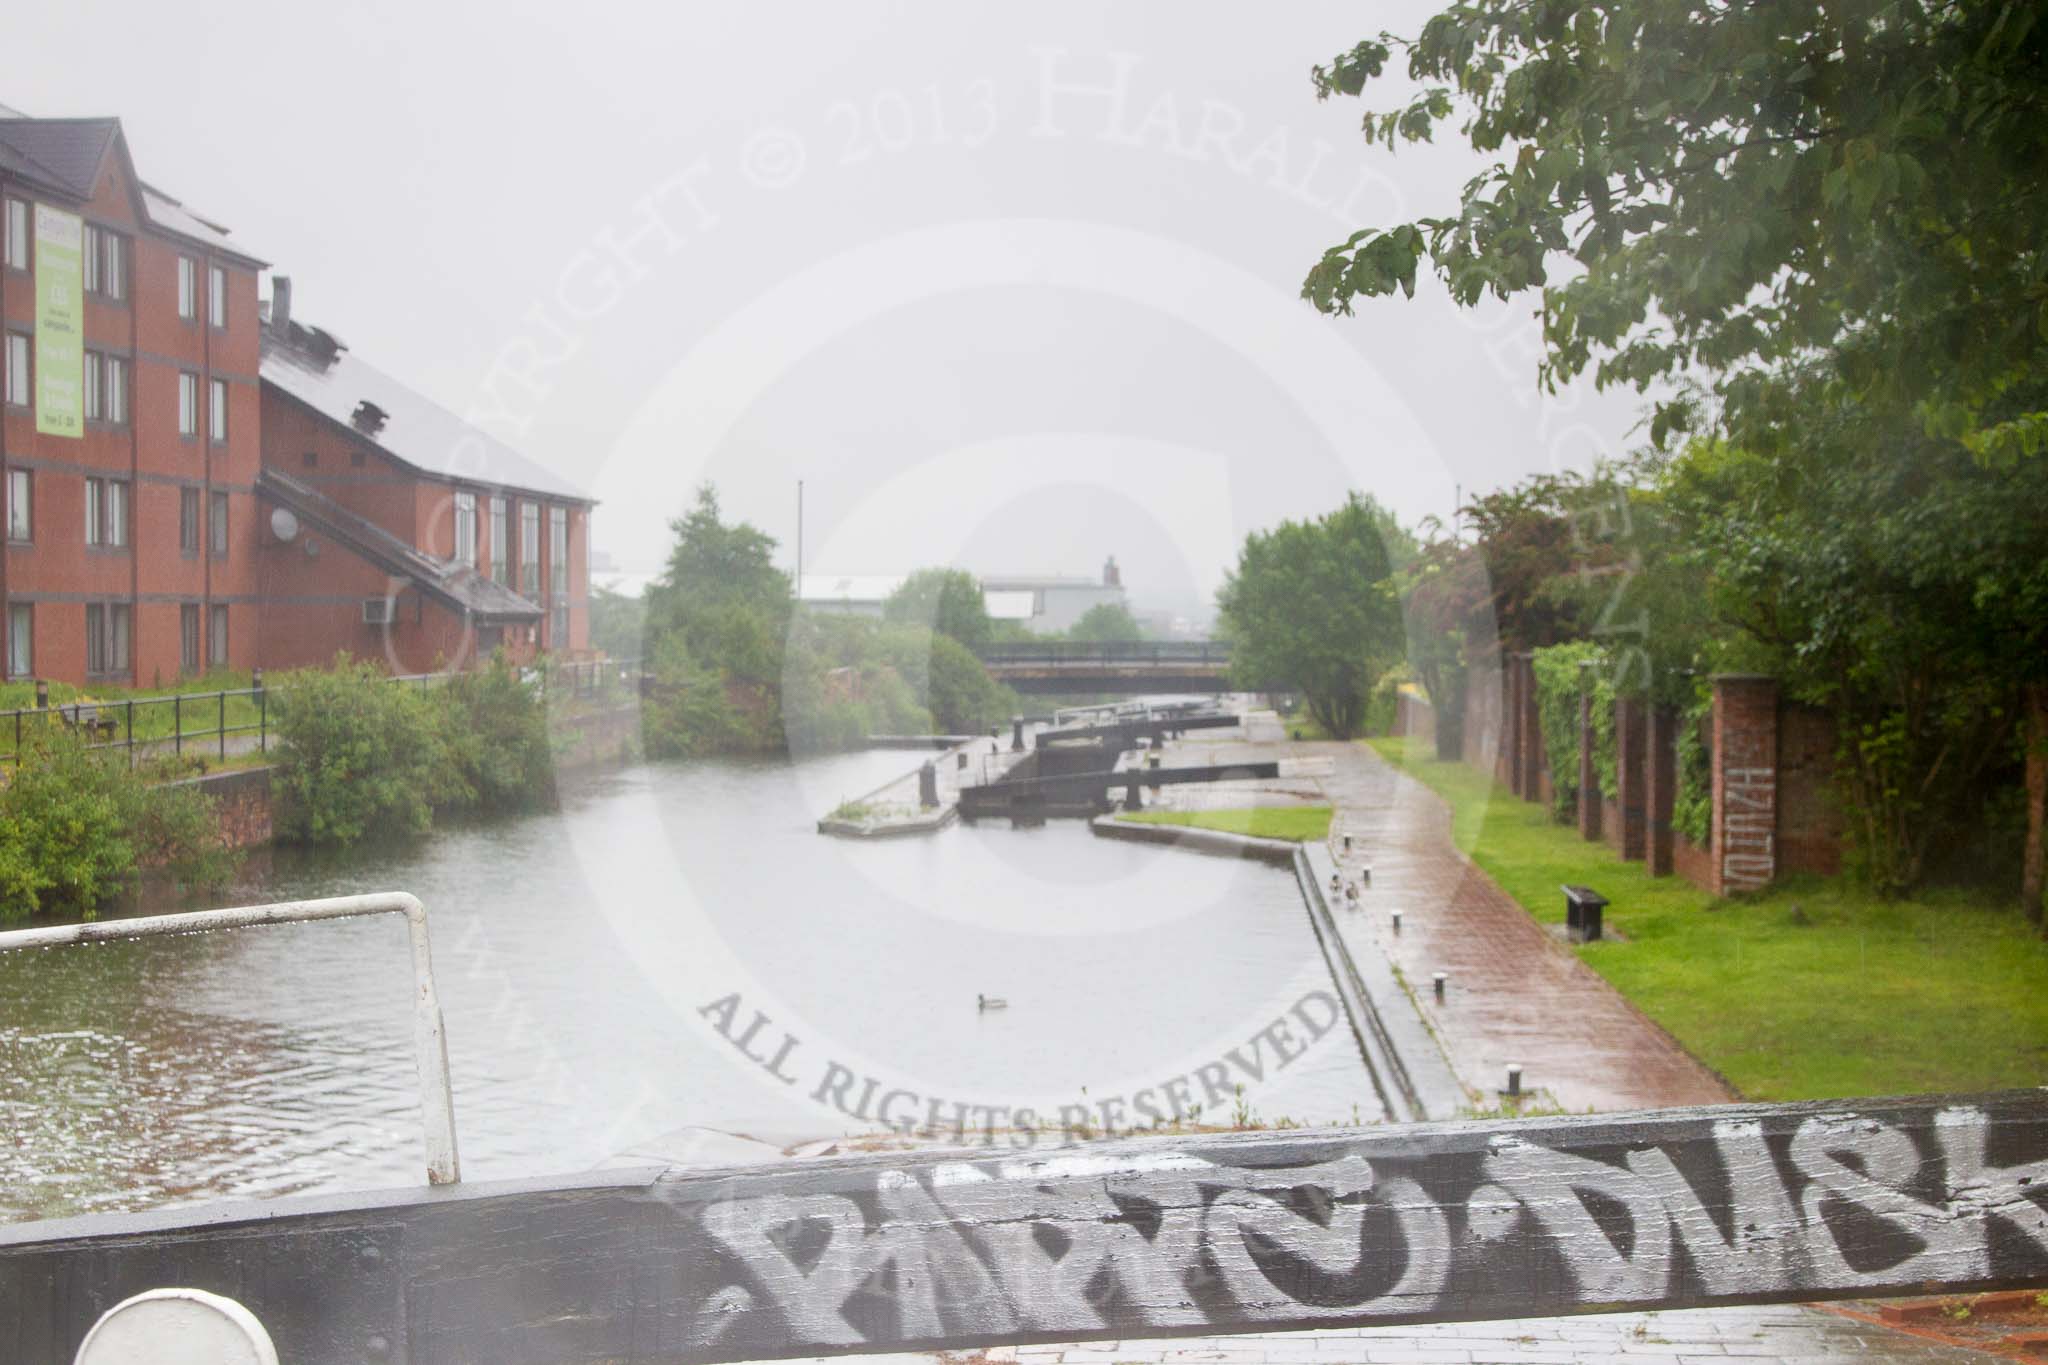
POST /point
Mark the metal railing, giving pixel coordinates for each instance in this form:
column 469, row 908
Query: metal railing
column 430, row 1040
column 198, row 722
column 1071, row 652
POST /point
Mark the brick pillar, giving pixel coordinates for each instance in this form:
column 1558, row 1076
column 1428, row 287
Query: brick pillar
column 1745, row 839
column 1629, row 734
column 1589, row 776
column 1660, row 763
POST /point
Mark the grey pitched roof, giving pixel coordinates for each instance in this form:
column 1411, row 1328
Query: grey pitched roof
column 454, row 585
column 65, row 154
column 67, row 151
column 417, row 430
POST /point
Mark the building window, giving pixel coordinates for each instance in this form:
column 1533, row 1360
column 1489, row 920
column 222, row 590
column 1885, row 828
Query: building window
column 188, row 404
column 558, row 551
column 217, row 525
column 217, row 638
column 217, row 411
column 17, row 369
column 106, row 263
column 500, row 570
column 17, row 233
column 465, row 529
column 558, row 627
column 188, row 521
column 217, row 296
column 21, row 522
column 311, row 459
column 188, row 288
column 21, row 640
column 529, row 549
column 106, row 637
column 106, row 388
column 106, row 512
column 188, row 637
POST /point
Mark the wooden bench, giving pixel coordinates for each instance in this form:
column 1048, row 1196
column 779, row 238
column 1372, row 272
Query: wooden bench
column 90, row 721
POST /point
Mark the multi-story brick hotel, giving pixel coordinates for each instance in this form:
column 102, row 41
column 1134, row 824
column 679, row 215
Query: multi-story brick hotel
column 193, row 480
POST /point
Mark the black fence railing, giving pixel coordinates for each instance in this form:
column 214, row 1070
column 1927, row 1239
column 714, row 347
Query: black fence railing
column 1075, row 652
column 215, row 723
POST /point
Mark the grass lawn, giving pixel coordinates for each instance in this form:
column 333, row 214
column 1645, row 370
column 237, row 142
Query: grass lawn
column 1298, row 823
column 154, row 714
column 1811, row 991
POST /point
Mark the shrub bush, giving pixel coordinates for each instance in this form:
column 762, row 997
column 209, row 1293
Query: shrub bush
column 358, row 755
column 77, row 828
column 496, row 729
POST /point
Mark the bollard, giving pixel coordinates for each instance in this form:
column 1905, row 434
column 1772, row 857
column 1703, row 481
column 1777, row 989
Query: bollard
column 1397, row 921
column 1439, row 980
column 1017, row 734
column 42, row 694
column 962, row 756
column 1514, row 1090
column 1347, row 843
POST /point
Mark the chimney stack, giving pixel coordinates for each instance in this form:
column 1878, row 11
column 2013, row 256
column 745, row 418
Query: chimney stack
column 281, row 304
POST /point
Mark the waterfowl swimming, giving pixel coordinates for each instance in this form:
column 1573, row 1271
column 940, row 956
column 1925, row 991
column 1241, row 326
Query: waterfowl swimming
column 991, row 1002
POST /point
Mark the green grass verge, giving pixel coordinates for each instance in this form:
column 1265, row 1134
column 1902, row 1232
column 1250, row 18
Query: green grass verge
column 1299, row 823
column 150, row 710
column 1813, row 990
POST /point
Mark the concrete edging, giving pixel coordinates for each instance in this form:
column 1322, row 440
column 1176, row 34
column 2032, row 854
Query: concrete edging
column 1215, row 842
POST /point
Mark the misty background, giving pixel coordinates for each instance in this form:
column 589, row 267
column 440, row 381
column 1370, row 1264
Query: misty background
column 1011, row 290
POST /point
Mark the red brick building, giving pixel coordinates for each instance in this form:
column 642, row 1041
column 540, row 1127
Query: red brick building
column 200, row 485
column 396, row 530
column 129, row 556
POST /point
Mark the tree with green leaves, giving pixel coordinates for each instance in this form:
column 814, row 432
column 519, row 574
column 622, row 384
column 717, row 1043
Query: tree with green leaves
column 721, row 594
column 1313, row 605
column 948, row 601
column 1737, row 189
column 1895, row 580
column 1107, row 623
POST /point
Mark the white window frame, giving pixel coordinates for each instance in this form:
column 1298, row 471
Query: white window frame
column 501, row 535
column 558, row 552
column 217, row 295
column 217, row 411
column 17, row 211
column 21, row 507
column 188, row 288
column 19, row 375
column 217, row 623
column 529, row 549
column 191, row 644
column 217, row 525
column 106, row 263
column 95, row 511
column 188, row 403
column 465, row 529
column 117, row 513
column 188, row 521
column 21, row 639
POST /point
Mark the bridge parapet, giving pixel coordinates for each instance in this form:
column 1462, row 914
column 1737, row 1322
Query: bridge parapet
column 1147, row 1237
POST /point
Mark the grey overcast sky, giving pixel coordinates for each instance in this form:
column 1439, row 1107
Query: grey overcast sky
column 1011, row 288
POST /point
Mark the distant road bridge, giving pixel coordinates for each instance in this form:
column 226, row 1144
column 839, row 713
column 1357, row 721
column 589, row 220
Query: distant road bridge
column 1075, row 666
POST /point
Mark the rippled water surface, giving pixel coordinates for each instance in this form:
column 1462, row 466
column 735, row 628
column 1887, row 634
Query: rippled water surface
column 587, row 958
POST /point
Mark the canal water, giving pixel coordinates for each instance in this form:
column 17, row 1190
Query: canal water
column 602, row 967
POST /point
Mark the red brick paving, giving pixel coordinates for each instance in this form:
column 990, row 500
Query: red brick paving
column 1516, row 992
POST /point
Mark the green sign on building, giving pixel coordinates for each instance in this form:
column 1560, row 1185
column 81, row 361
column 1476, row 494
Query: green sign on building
column 60, row 322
